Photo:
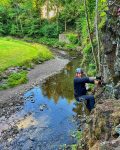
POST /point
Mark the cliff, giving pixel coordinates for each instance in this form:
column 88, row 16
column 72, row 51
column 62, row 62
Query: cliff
column 102, row 130
column 111, row 46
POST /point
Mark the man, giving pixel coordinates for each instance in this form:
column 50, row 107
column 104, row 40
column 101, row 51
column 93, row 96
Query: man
column 80, row 90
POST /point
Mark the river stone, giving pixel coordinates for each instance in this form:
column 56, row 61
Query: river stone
column 24, row 68
column 117, row 129
column 63, row 38
column 11, row 104
column 28, row 69
column 43, row 106
column 39, row 62
column 117, row 91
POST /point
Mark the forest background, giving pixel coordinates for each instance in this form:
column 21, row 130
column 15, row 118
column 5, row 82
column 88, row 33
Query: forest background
column 43, row 20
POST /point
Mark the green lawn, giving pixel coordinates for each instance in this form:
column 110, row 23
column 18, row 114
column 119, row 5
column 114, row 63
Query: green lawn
column 16, row 53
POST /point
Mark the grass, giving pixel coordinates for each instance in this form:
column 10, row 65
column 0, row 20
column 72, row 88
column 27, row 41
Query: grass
column 15, row 79
column 16, row 53
column 19, row 53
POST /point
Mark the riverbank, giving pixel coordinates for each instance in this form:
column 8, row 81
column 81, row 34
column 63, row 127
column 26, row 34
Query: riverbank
column 35, row 76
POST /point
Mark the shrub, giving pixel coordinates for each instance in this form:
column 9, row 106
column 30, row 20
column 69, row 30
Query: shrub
column 49, row 41
column 17, row 78
column 50, row 30
column 14, row 79
column 73, row 38
column 87, row 49
column 70, row 46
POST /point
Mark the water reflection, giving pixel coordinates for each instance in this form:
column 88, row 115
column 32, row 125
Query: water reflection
column 61, row 85
column 55, row 116
column 49, row 114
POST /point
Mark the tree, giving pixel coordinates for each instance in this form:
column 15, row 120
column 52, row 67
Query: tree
column 90, row 37
column 97, row 35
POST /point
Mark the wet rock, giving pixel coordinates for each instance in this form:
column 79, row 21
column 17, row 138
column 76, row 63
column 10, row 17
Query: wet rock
column 43, row 107
column 117, row 90
column 21, row 97
column 112, row 145
column 32, row 138
column 117, row 129
column 9, row 140
column 32, row 100
column 39, row 62
column 11, row 104
column 4, row 76
column 28, row 69
column 24, row 68
column 32, row 65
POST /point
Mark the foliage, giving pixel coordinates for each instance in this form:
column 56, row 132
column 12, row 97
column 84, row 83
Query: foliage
column 16, row 52
column 74, row 147
column 70, row 46
column 69, row 15
column 55, row 43
column 87, row 49
column 91, row 70
column 50, row 30
column 17, row 78
column 49, row 41
column 73, row 38
column 14, row 79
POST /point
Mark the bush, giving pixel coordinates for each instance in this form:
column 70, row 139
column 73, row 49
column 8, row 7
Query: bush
column 49, row 41
column 92, row 66
column 87, row 49
column 17, row 78
column 70, row 46
column 50, row 30
column 14, row 79
column 73, row 38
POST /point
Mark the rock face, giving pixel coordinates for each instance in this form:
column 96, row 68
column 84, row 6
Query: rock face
column 111, row 43
column 103, row 129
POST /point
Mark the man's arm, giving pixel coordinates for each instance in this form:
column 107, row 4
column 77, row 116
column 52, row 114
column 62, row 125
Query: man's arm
column 87, row 80
column 84, row 80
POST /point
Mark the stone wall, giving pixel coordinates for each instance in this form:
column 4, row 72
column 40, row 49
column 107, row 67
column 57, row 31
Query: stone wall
column 63, row 38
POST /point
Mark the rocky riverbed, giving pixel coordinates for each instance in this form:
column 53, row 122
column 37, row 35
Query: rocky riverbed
column 36, row 76
column 41, row 114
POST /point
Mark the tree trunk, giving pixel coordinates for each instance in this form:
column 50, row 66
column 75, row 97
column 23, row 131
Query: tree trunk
column 97, row 36
column 21, row 26
column 90, row 37
column 65, row 25
column 47, row 6
column 38, row 9
column 57, row 18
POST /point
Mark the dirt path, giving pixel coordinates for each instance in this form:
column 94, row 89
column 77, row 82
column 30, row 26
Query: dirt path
column 36, row 76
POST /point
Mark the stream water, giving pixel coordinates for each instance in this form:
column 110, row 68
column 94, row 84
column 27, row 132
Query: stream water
column 49, row 117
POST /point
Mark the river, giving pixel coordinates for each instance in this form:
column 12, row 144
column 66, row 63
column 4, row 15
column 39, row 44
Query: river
column 49, row 117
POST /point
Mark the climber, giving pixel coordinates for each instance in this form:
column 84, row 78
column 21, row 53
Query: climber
column 80, row 90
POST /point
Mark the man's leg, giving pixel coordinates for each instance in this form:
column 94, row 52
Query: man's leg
column 90, row 101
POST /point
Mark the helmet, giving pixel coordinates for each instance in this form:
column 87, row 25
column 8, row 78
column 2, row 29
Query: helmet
column 79, row 70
